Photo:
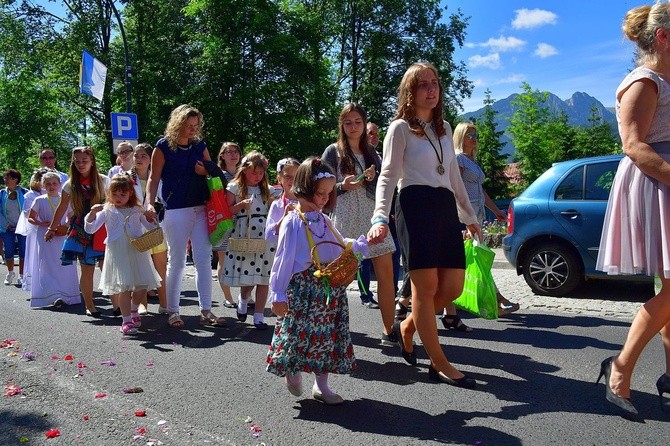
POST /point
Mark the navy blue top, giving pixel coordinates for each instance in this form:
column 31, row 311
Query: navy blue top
column 182, row 187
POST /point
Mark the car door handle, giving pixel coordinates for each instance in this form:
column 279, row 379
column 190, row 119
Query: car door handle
column 570, row 213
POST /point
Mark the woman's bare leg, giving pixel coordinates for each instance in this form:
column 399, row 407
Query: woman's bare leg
column 653, row 317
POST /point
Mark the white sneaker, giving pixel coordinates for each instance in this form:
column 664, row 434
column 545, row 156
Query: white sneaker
column 19, row 281
column 10, row 278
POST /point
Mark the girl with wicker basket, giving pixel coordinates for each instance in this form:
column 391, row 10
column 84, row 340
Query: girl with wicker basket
column 313, row 335
column 249, row 258
column 126, row 271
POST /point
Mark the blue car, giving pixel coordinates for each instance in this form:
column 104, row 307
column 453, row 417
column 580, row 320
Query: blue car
column 554, row 226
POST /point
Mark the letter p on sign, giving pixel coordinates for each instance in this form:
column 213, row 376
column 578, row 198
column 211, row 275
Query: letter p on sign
column 124, row 126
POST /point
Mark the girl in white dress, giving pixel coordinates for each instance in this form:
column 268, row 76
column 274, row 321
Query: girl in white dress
column 51, row 283
column 249, row 198
column 126, row 271
column 24, row 228
column 286, row 169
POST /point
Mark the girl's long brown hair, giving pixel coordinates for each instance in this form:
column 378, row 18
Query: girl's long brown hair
column 253, row 160
column 97, row 192
column 406, row 91
column 348, row 159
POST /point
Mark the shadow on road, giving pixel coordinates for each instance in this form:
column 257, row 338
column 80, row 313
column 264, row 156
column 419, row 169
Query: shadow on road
column 614, row 290
column 14, row 425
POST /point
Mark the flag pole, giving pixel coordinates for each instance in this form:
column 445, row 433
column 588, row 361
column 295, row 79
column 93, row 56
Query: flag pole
column 125, row 48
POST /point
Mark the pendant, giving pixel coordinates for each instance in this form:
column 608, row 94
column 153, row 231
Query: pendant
column 440, row 169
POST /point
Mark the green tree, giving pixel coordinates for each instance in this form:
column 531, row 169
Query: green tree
column 529, row 128
column 260, row 82
column 32, row 115
column 595, row 139
column 377, row 40
column 58, row 44
column 267, row 74
column 164, row 73
column 492, row 162
column 560, row 137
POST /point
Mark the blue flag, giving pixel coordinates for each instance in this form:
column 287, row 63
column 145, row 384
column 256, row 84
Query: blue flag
column 92, row 75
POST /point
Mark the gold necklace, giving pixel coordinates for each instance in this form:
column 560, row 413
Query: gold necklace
column 440, row 156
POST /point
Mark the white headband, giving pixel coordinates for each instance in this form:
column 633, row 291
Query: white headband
column 322, row 175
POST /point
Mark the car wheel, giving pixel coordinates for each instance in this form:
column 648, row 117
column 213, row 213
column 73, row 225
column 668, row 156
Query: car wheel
column 552, row 270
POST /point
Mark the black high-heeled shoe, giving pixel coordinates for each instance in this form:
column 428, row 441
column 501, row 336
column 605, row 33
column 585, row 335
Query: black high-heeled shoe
column 619, row 401
column 409, row 357
column 663, row 386
column 465, row 381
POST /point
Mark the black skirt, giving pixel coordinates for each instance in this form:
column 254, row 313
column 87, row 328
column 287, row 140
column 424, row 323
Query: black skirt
column 429, row 230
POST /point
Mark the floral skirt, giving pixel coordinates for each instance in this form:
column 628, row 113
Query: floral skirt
column 314, row 335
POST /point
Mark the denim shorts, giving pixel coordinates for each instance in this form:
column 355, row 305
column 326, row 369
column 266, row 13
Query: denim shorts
column 10, row 239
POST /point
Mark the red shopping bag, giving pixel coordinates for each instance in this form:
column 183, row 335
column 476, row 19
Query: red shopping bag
column 219, row 217
column 99, row 239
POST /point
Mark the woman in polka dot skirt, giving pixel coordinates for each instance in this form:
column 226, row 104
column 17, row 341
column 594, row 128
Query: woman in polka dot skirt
column 249, row 197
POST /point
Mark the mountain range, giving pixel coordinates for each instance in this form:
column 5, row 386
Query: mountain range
column 577, row 108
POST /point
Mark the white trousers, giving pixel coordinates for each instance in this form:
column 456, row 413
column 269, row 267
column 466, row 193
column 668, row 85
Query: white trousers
column 180, row 225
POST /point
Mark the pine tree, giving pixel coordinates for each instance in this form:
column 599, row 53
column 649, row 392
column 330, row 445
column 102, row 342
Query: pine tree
column 489, row 158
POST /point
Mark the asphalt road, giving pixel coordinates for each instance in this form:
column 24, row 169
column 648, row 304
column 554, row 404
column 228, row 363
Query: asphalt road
column 535, row 370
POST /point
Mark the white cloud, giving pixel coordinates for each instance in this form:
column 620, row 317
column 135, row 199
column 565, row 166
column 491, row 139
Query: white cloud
column 511, row 79
column 491, row 61
column 533, row 18
column 501, row 44
column 545, row 50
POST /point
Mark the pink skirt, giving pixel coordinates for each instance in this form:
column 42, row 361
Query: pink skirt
column 636, row 231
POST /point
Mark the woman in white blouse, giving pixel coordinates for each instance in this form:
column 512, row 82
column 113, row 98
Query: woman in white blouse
column 432, row 202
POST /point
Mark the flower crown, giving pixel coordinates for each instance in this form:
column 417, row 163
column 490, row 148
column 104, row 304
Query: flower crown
column 322, row 175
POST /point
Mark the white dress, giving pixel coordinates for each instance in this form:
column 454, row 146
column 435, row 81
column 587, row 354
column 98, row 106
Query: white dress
column 49, row 279
column 243, row 269
column 636, row 231
column 125, row 268
column 30, row 231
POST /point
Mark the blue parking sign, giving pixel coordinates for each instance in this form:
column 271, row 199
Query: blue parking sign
column 124, row 126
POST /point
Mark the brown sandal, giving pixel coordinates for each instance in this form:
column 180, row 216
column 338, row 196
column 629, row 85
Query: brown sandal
column 210, row 319
column 175, row 321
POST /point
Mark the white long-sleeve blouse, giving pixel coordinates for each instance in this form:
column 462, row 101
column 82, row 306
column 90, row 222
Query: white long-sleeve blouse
column 114, row 221
column 410, row 160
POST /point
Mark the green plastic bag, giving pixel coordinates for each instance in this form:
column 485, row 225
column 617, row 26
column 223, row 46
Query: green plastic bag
column 479, row 292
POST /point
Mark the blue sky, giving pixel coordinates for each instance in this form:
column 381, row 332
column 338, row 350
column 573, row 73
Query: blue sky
column 559, row 46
